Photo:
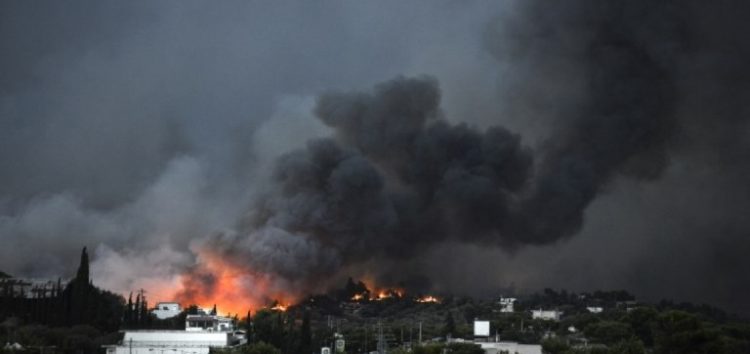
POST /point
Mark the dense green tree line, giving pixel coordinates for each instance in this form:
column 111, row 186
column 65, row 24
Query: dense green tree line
column 78, row 303
column 647, row 330
column 79, row 318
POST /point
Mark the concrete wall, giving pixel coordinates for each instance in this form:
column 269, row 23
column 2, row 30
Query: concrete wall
column 511, row 347
column 175, row 338
column 169, row 342
column 157, row 350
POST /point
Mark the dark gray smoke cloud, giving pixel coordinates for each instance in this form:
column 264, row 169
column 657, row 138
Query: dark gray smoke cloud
column 633, row 92
column 605, row 144
column 395, row 179
column 138, row 129
column 623, row 56
column 625, row 89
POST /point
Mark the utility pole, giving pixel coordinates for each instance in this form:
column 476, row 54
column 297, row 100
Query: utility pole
column 380, row 338
column 382, row 346
column 333, row 337
column 420, row 333
column 411, row 329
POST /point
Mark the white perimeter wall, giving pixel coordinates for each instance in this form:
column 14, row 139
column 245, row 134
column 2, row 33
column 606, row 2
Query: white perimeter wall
column 510, row 347
column 155, row 350
column 175, row 338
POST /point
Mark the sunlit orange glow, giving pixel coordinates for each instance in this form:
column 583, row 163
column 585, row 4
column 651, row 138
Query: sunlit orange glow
column 428, row 299
column 233, row 289
column 358, row 297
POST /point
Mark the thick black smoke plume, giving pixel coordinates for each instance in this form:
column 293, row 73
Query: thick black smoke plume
column 393, row 180
column 396, row 178
column 621, row 124
column 614, row 80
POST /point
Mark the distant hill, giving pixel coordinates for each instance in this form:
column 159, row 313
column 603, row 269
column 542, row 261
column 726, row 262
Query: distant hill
column 4, row 275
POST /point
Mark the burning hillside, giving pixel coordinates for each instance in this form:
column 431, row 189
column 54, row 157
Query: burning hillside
column 362, row 292
column 233, row 289
column 394, row 179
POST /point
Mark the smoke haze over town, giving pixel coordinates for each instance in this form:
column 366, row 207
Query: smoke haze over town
column 276, row 149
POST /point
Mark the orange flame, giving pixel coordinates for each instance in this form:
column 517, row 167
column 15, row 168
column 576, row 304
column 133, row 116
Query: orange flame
column 428, row 299
column 379, row 293
column 280, row 307
column 389, row 294
column 233, row 289
column 382, row 295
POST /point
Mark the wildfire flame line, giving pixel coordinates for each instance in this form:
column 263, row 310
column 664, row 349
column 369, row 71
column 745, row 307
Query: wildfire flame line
column 385, row 294
column 232, row 288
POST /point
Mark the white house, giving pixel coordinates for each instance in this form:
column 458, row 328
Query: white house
column 202, row 332
column 595, row 309
column 208, row 323
column 171, row 342
column 549, row 315
column 506, row 304
column 164, row 310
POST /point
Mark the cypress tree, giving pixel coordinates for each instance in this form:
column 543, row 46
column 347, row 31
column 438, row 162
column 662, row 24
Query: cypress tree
column 305, row 340
column 129, row 311
column 144, row 313
column 137, row 312
column 77, row 298
column 450, row 326
column 83, row 269
column 249, row 327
